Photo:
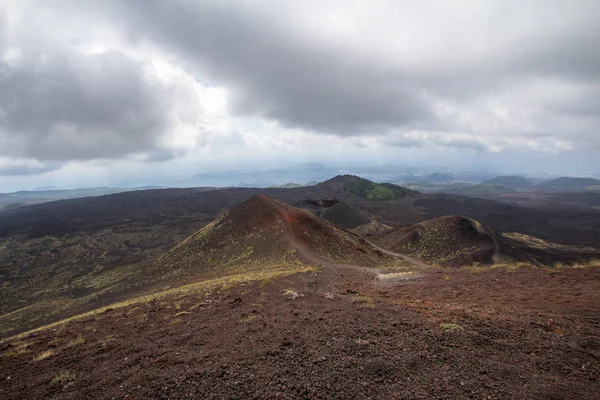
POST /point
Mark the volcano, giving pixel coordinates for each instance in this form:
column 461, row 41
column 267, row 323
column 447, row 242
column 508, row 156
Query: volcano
column 452, row 241
column 264, row 233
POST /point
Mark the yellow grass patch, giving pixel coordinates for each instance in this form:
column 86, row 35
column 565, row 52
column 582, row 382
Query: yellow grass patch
column 193, row 288
column 43, row 355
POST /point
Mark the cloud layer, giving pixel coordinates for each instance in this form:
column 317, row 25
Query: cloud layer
column 137, row 79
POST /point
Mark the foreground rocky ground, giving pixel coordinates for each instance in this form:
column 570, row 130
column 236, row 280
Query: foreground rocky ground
column 337, row 332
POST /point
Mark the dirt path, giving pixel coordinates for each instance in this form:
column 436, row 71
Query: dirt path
column 308, row 256
column 384, row 277
column 411, row 260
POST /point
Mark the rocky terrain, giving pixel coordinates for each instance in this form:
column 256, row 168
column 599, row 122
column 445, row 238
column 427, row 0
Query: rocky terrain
column 329, row 333
column 184, row 298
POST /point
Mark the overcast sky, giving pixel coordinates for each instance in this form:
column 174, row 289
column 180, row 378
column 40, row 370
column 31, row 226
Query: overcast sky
column 93, row 92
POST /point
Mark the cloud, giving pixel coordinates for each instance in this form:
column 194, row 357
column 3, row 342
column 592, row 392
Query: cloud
column 381, row 66
column 25, row 167
column 275, row 72
column 83, row 107
column 61, row 101
column 150, row 80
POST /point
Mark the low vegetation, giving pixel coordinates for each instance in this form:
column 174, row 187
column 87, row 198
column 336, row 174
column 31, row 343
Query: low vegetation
column 18, row 348
column 515, row 266
column 363, row 300
column 77, row 341
column 377, row 191
column 448, row 327
column 206, row 286
column 248, row 319
column 62, row 379
column 43, row 355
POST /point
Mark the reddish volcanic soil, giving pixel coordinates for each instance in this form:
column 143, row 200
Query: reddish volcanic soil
column 337, row 333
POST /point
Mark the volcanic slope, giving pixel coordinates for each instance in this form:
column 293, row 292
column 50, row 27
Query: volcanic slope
column 264, row 234
column 452, row 241
column 343, row 215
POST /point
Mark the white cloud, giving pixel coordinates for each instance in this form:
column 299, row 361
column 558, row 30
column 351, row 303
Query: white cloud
column 147, row 81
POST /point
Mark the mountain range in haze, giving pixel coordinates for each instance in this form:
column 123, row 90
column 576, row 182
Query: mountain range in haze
column 426, row 179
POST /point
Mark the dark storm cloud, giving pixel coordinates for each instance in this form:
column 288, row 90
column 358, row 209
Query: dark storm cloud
column 275, row 70
column 65, row 98
column 276, row 73
column 93, row 106
column 479, row 75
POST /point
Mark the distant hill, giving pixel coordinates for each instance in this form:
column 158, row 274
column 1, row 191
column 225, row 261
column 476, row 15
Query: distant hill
column 46, row 194
column 11, row 206
column 513, row 182
column 451, row 241
column 45, row 188
column 369, row 190
column 470, row 189
column 568, row 183
column 290, row 185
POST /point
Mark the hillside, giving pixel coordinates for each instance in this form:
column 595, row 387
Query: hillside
column 184, row 211
column 342, row 215
column 268, row 300
column 63, row 257
column 54, row 277
column 451, row 241
column 376, row 191
column 339, row 333
column 513, row 182
column 567, row 183
column 264, row 233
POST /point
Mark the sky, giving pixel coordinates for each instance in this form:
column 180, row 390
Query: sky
column 95, row 92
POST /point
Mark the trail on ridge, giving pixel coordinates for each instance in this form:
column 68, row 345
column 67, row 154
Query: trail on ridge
column 308, row 256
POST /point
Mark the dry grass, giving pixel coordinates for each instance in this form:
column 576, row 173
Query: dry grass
column 182, row 291
column 77, row 341
column 364, row 301
column 291, row 294
column 448, row 327
column 62, row 379
column 19, row 348
column 179, row 314
column 403, row 265
column 109, row 339
column 538, row 243
column 43, row 355
column 249, row 318
column 512, row 267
